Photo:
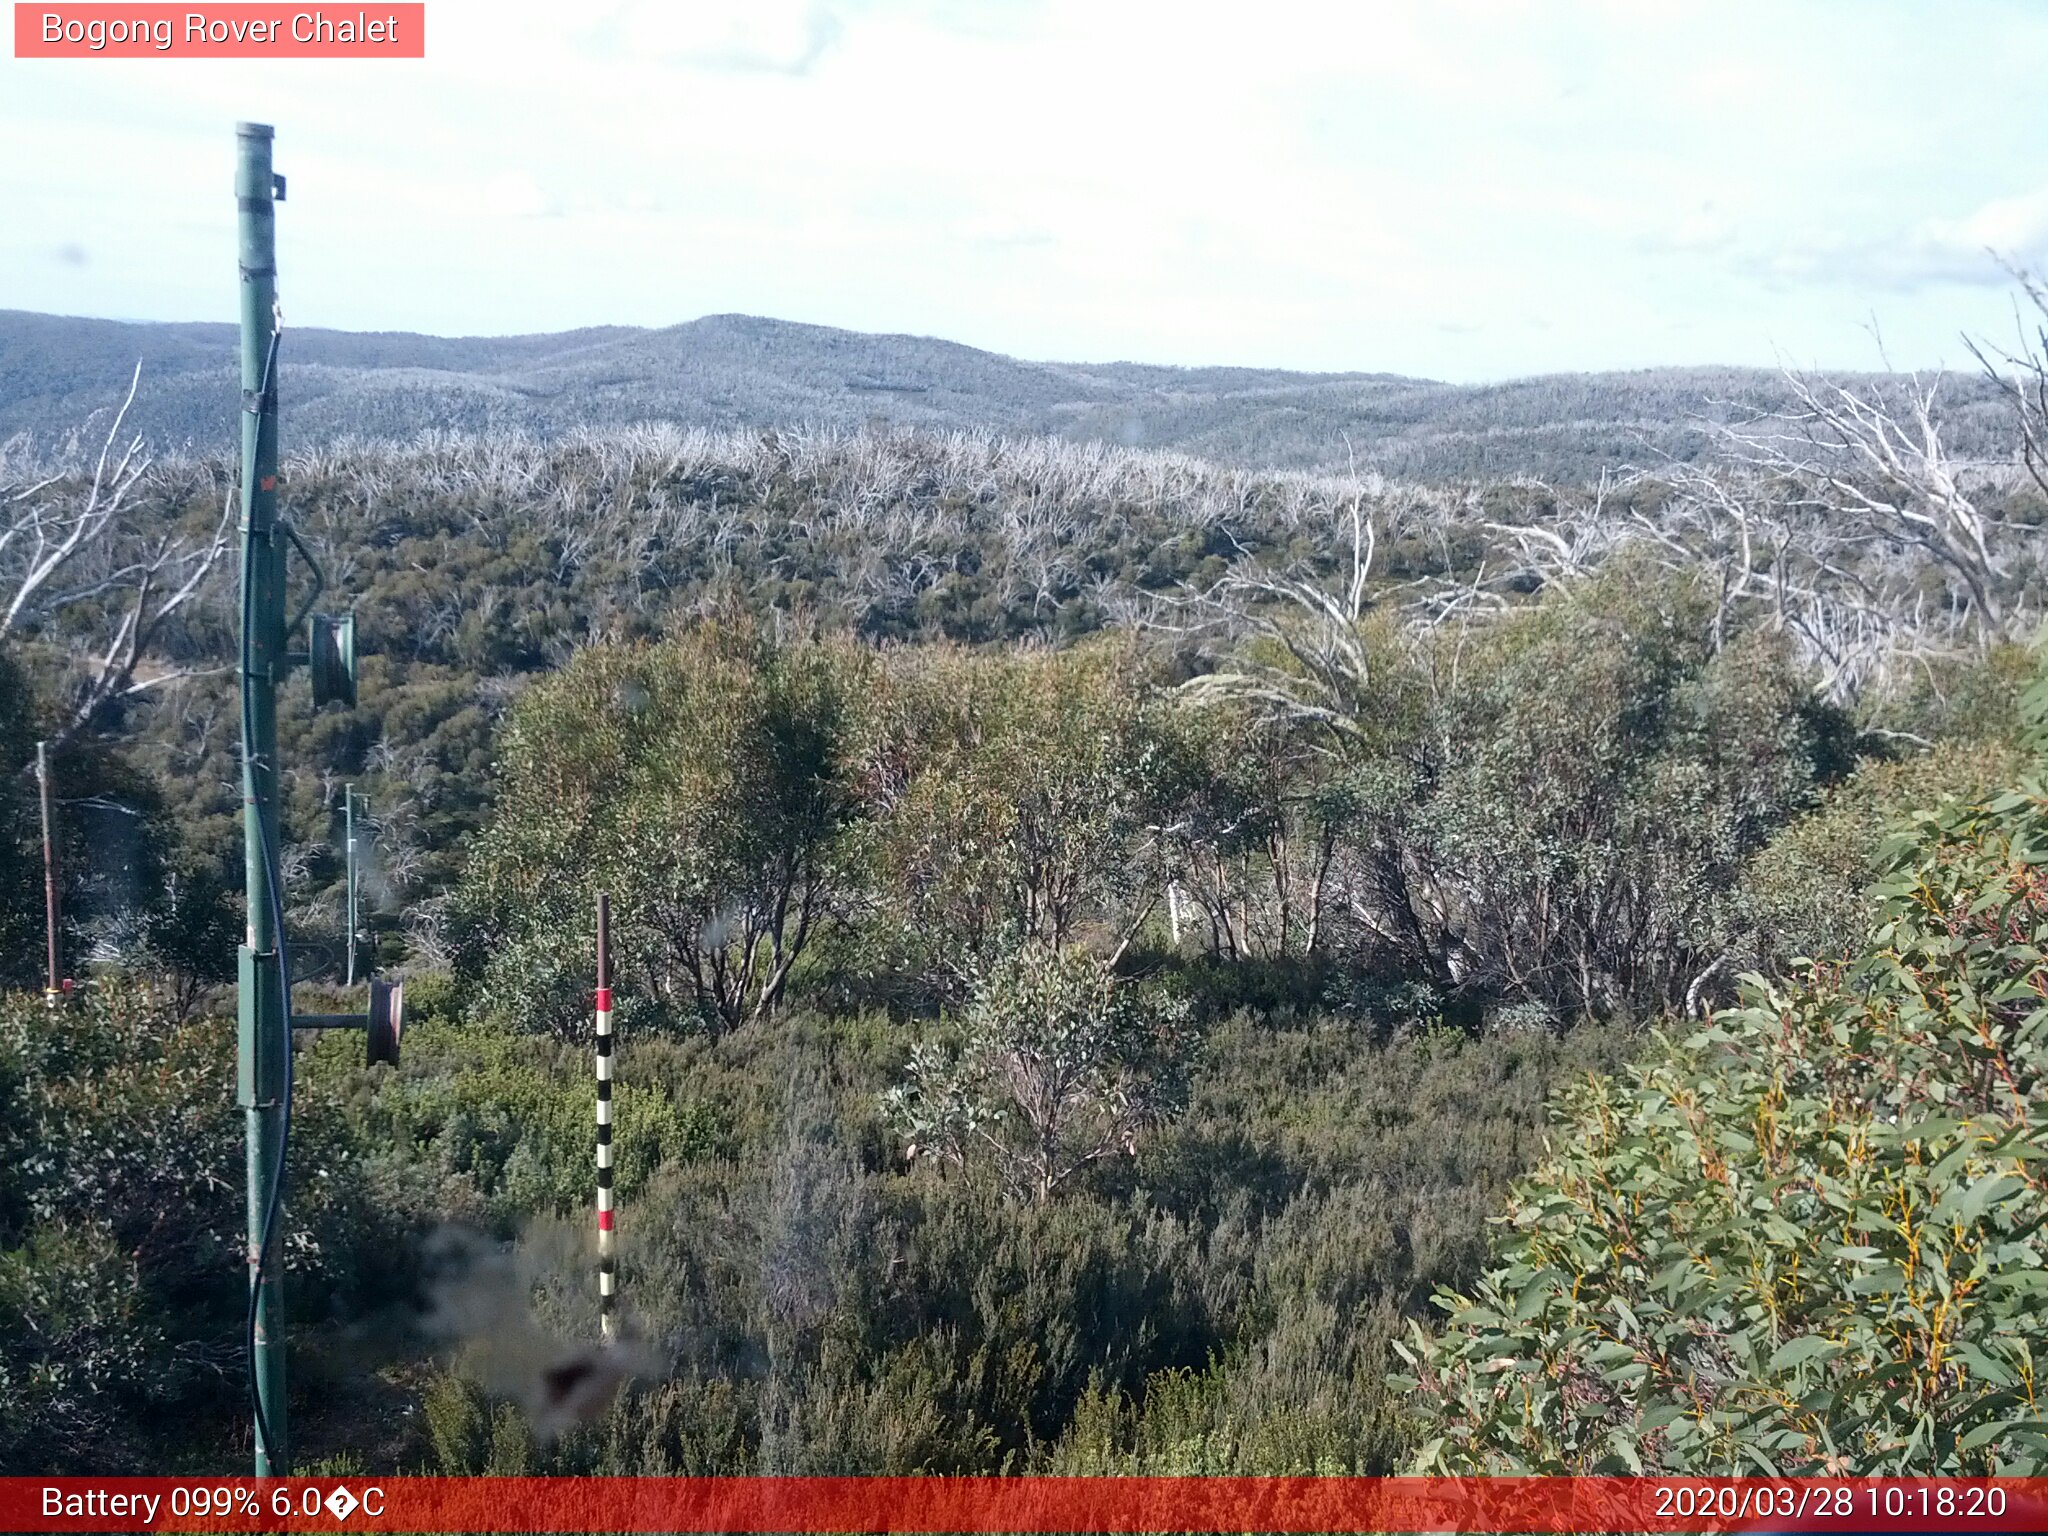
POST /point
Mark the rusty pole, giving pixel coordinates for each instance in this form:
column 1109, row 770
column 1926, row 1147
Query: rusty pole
column 52, row 989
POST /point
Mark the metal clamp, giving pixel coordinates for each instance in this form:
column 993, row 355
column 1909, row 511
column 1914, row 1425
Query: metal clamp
column 319, row 576
column 383, row 1025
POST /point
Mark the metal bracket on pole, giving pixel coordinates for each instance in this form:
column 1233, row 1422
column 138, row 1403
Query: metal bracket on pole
column 383, row 1025
column 291, row 626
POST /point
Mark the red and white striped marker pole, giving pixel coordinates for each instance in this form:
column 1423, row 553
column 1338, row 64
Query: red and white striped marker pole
column 607, row 1258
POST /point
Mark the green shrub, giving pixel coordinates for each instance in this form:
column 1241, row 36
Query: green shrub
column 82, row 1350
column 1057, row 1065
column 121, row 1212
column 481, row 1123
column 1809, row 892
column 1807, row 1237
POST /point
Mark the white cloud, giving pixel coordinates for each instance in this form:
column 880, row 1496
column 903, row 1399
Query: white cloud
column 1975, row 249
column 2015, row 227
column 771, row 36
column 1422, row 185
column 510, row 195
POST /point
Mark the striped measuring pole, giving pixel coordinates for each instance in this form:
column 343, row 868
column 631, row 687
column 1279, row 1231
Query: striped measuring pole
column 607, row 1254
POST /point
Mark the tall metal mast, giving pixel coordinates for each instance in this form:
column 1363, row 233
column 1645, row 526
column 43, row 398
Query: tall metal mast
column 263, row 1040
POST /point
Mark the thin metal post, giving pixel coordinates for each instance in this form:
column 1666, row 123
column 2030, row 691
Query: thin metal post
column 52, row 991
column 262, row 1042
column 607, row 1257
column 349, row 815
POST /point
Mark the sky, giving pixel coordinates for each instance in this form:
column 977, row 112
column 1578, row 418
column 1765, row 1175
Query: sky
column 1457, row 189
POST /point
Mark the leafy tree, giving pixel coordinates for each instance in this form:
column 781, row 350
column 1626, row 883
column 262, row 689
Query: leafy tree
column 1554, row 807
column 1009, row 792
column 1057, row 1065
column 1252, row 823
column 188, row 935
column 1612, row 772
column 702, row 782
column 1807, row 1237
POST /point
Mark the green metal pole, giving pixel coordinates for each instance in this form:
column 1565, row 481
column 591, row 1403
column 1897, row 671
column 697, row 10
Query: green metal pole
column 262, row 1044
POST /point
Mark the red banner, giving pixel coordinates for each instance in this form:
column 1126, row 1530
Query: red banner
column 100, row 31
column 1024, row 1504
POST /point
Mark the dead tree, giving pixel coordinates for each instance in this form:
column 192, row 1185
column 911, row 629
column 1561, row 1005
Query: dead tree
column 2021, row 374
column 1317, row 627
column 1877, row 467
column 78, row 543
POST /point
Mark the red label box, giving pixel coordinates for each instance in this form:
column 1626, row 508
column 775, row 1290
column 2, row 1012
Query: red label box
column 234, row 31
column 1030, row 1506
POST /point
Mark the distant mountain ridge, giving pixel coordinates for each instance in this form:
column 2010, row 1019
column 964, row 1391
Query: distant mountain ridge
column 743, row 370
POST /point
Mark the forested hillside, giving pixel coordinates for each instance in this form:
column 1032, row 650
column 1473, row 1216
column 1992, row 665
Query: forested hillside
column 1099, row 933
column 740, row 371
